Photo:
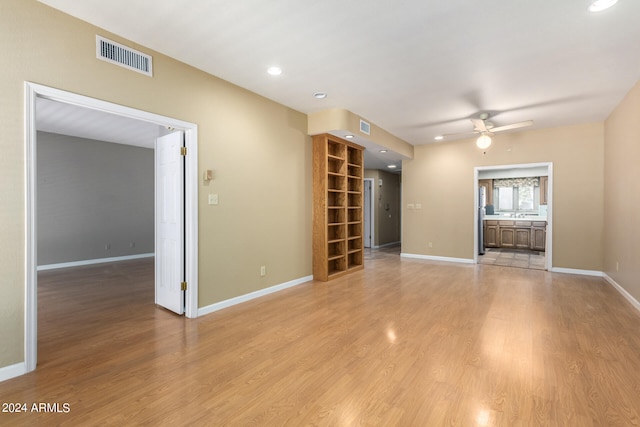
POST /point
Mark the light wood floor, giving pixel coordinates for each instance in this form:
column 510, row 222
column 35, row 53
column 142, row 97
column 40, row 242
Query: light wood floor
column 403, row 342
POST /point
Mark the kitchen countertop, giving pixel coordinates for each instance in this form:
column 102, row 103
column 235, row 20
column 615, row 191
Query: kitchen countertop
column 510, row 218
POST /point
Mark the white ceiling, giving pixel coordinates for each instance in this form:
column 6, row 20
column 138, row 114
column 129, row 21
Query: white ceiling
column 416, row 68
column 67, row 119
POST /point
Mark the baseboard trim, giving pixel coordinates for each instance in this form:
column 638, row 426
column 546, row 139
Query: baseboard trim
column 437, row 258
column 253, row 295
column 577, row 271
column 386, row 245
column 634, row 302
column 93, row 261
column 12, row 371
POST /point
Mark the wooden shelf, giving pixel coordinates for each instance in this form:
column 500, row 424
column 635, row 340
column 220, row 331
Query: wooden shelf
column 338, row 169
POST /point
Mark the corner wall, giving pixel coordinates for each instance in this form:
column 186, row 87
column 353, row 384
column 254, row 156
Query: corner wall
column 622, row 194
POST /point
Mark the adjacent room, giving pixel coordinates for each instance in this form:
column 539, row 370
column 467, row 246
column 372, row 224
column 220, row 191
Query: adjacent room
column 358, row 213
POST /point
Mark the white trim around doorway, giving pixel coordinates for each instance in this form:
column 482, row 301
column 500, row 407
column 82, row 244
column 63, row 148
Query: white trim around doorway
column 476, row 201
column 32, row 92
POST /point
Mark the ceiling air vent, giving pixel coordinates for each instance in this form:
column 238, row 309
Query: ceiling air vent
column 124, row 56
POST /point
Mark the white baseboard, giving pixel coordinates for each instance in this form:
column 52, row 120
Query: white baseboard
column 93, row 261
column 385, row 245
column 253, row 295
column 438, row 258
column 12, row 371
column 577, row 271
column 634, row 302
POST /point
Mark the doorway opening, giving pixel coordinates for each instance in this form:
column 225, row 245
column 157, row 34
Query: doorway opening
column 513, row 221
column 368, row 212
column 33, row 92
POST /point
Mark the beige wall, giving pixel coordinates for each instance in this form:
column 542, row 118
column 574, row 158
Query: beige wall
column 387, row 206
column 258, row 149
column 441, row 178
column 338, row 119
column 622, row 194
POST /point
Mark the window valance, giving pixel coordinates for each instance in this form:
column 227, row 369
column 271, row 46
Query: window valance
column 533, row 181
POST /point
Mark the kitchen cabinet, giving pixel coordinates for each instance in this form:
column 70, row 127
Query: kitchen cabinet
column 491, row 234
column 488, row 190
column 539, row 236
column 507, row 237
column 544, row 189
column 522, row 238
column 515, row 234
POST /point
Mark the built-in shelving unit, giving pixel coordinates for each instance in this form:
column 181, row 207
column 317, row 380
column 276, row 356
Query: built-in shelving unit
column 338, row 171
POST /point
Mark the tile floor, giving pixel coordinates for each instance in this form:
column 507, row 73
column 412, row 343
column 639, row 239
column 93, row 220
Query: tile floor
column 520, row 258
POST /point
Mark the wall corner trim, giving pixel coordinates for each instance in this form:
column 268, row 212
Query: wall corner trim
column 437, row 258
column 12, row 371
column 634, row 302
column 252, row 295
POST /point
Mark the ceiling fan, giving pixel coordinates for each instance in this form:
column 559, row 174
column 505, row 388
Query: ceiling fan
column 486, row 129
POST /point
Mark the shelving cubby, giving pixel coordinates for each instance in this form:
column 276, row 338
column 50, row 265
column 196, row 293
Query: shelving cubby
column 338, row 168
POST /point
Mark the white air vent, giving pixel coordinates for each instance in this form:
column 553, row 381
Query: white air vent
column 124, row 56
column 365, row 127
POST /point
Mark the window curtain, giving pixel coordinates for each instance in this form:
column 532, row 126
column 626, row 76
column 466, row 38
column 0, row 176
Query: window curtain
column 533, row 181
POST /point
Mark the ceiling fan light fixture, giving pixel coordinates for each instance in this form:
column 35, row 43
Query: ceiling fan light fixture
column 274, row 71
column 600, row 5
column 483, row 141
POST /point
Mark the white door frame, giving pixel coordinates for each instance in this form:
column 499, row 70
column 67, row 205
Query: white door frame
column 476, row 201
column 32, row 92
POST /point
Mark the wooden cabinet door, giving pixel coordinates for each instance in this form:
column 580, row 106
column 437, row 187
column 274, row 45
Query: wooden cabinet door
column 538, row 239
column 488, row 188
column 544, row 189
column 522, row 238
column 491, row 236
column 507, row 237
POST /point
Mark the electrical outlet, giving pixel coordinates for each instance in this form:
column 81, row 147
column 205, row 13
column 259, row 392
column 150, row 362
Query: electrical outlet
column 430, row 244
column 107, row 246
column 263, row 270
column 132, row 244
column 617, row 266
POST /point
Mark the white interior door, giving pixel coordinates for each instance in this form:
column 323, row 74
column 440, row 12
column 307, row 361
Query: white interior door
column 169, row 241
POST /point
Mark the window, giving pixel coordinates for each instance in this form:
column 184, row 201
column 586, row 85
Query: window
column 517, row 194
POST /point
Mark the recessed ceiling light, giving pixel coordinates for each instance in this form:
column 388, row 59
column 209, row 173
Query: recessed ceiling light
column 392, row 166
column 319, row 95
column 600, row 5
column 439, row 138
column 383, row 151
column 274, row 71
column 348, row 136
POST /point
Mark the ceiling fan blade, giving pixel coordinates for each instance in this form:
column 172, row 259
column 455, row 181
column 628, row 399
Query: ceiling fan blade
column 512, row 126
column 479, row 125
column 449, row 135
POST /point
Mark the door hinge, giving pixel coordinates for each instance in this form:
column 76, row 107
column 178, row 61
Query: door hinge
column 183, row 151
column 183, row 286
